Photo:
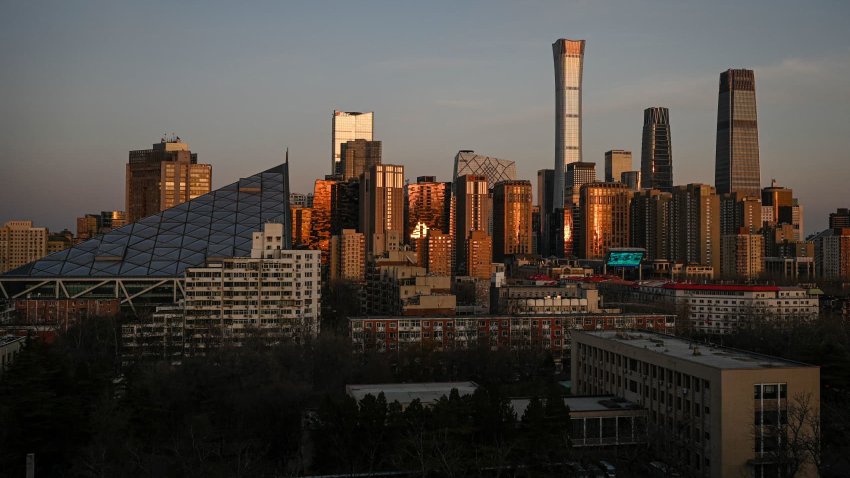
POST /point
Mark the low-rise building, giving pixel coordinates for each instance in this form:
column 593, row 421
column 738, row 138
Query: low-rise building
column 714, row 412
column 10, row 347
column 547, row 298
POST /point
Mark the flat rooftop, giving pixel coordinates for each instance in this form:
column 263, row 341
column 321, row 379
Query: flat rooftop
column 594, row 403
column 405, row 393
column 708, row 355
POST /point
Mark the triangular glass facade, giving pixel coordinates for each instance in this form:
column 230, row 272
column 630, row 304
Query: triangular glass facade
column 217, row 224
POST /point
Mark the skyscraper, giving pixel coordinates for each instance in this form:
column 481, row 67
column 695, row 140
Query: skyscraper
column 617, row 162
column 649, row 223
column 471, row 213
column 494, row 169
column 656, row 153
column 382, row 206
column 736, row 167
column 696, row 226
column 569, row 59
column 348, row 126
column 545, row 188
column 347, row 261
column 604, row 216
column 427, row 207
column 511, row 219
column 357, row 157
column 162, row 177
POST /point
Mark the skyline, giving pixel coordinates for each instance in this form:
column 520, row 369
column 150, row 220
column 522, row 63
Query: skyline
column 74, row 109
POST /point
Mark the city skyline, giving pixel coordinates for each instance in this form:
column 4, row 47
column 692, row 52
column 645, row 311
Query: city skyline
column 503, row 114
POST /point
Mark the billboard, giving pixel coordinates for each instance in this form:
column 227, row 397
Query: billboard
column 625, row 258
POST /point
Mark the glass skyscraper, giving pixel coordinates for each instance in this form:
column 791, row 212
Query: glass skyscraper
column 736, row 168
column 569, row 59
column 656, row 153
column 348, row 126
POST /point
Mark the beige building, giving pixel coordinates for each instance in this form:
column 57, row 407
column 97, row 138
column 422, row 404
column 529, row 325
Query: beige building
column 713, row 412
column 382, row 207
column 162, row 177
column 348, row 256
column 742, row 255
column 617, row 162
column 348, row 126
column 21, row 243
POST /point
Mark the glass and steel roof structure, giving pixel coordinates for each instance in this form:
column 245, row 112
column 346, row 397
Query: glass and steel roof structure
column 162, row 246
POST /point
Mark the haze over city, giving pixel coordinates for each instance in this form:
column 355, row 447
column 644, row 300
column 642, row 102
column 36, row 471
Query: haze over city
column 86, row 82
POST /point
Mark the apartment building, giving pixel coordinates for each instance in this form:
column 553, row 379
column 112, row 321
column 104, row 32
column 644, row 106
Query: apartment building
column 713, row 412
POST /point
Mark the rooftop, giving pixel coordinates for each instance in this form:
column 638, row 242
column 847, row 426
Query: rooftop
column 709, row 355
column 405, row 393
column 593, row 403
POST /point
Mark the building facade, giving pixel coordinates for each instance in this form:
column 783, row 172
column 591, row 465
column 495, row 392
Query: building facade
column 357, row 157
column 604, row 216
column 472, row 208
column 696, row 225
column 512, row 232
column 737, row 155
column 20, row 244
column 742, row 255
column 713, row 412
column 348, row 256
column 162, row 177
column 617, row 161
column 656, row 152
column 348, row 126
column 650, row 223
column 568, row 56
column 427, row 208
column 382, row 206
column 479, row 255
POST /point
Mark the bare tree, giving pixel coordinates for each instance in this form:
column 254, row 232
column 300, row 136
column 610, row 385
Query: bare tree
column 793, row 441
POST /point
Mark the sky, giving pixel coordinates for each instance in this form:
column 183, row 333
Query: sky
column 82, row 83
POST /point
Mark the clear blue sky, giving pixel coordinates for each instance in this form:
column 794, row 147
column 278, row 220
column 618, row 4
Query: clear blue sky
column 81, row 83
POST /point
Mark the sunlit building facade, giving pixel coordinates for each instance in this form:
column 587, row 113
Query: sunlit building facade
column 348, row 126
column 427, row 208
column 438, row 253
column 696, row 225
column 357, row 157
column 382, row 206
column 617, row 161
column 737, row 155
column 479, row 254
column 604, row 213
column 656, row 151
column 512, row 232
column 742, row 255
column 162, row 177
column 471, row 213
column 21, row 243
column 348, row 256
column 301, row 225
column 649, row 223
column 320, row 218
column 569, row 58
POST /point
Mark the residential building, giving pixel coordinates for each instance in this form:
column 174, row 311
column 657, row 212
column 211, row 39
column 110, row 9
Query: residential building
column 357, row 157
column 10, row 347
column 472, row 209
column 382, row 206
column 737, row 155
column 832, row 254
column 320, row 218
column 59, row 241
column 713, row 411
column 656, row 152
column 839, row 218
column 162, row 177
column 547, row 299
column 696, row 225
column 302, row 225
column 617, row 161
column 650, row 223
column 438, row 253
column 604, row 216
column 348, row 126
column 568, row 57
column 511, row 219
column 162, row 337
column 479, row 254
column 348, row 256
column 21, row 243
column 742, row 255
column 396, row 284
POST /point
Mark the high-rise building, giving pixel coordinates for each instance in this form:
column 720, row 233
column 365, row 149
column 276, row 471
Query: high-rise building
column 738, row 211
column 21, row 243
column 783, row 208
column 382, row 206
column 348, row 256
column 579, row 173
column 438, row 253
column 357, row 157
column 832, row 254
column 162, row 177
column 427, row 208
column 649, row 223
column 696, row 226
column 569, row 59
column 656, row 152
column 471, row 213
column 742, row 255
column 545, row 188
column 736, row 166
column 631, row 179
column 617, row 161
column 345, row 206
column 511, row 219
column 320, row 218
column 604, row 216
column 348, row 126
column 88, row 226
column 839, row 218
column 110, row 220
column 479, row 254
column 298, row 199
column 301, row 225
column 59, row 241
column 493, row 169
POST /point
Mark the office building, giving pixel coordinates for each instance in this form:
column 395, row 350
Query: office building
column 382, row 207
column 345, row 205
column 839, row 218
column 162, row 177
column 617, row 162
column 579, row 173
column 142, row 263
column 438, row 253
column 742, row 255
column 712, row 411
column 568, row 56
column 511, row 219
column 21, row 243
column 631, row 179
column 348, row 256
column 696, row 226
column 479, row 254
column 427, row 208
column 737, row 155
column 493, row 169
column 348, row 126
column 604, row 216
column 472, row 210
column 320, row 217
column 88, row 226
column 302, row 225
column 545, row 188
column 59, row 241
column 357, row 157
column 783, row 208
column 738, row 212
column 656, row 152
column 650, row 223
